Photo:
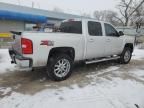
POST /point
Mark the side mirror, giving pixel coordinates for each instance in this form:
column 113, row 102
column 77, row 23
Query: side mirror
column 121, row 33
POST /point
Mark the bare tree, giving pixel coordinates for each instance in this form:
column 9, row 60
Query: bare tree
column 138, row 17
column 128, row 8
column 98, row 15
column 108, row 16
column 86, row 15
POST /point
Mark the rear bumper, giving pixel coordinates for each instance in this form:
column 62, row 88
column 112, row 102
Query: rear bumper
column 22, row 62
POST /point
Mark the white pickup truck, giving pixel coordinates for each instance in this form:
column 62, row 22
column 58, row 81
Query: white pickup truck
column 77, row 40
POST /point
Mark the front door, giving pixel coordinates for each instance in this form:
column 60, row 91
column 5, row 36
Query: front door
column 113, row 41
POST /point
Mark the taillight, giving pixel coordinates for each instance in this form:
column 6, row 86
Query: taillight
column 27, row 46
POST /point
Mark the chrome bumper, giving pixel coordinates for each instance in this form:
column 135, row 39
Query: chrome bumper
column 21, row 61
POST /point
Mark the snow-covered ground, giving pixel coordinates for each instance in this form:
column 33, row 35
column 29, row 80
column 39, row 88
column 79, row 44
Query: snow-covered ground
column 138, row 54
column 114, row 87
column 5, row 62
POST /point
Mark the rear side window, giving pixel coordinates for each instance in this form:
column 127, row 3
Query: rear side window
column 94, row 28
column 71, row 27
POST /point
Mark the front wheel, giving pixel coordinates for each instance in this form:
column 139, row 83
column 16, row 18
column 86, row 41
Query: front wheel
column 126, row 56
column 59, row 67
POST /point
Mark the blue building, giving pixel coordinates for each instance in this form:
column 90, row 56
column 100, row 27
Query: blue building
column 15, row 17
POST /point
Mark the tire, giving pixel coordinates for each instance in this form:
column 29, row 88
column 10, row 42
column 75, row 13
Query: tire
column 126, row 55
column 56, row 69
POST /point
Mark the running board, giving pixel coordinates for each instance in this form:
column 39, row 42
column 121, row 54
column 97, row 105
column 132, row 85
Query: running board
column 101, row 60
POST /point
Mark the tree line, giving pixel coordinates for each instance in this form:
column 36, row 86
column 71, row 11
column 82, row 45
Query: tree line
column 130, row 13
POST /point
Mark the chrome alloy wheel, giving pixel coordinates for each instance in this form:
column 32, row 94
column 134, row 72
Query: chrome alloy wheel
column 62, row 68
column 127, row 56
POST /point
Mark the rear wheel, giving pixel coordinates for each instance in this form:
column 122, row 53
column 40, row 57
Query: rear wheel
column 126, row 56
column 59, row 67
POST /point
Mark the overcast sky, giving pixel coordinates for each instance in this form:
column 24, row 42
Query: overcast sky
column 69, row 6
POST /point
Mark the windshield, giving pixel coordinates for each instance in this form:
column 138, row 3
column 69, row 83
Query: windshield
column 71, row 27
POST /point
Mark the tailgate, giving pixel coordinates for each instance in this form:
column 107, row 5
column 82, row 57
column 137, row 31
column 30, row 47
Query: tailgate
column 16, row 45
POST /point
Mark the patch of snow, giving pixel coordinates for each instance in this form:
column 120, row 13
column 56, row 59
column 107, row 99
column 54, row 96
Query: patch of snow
column 103, row 71
column 5, row 61
column 43, row 79
column 17, row 86
column 126, row 92
column 116, row 94
column 140, row 46
column 137, row 72
column 109, row 69
column 138, row 54
column 5, row 91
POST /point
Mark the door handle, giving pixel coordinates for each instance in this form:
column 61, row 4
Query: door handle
column 91, row 40
column 108, row 40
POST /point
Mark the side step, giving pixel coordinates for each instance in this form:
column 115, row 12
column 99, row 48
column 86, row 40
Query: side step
column 101, row 60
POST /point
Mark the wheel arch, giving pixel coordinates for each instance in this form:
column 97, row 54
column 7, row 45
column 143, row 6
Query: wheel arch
column 129, row 45
column 70, row 51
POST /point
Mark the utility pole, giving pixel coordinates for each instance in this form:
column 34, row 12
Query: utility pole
column 19, row 2
column 38, row 5
column 32, row 4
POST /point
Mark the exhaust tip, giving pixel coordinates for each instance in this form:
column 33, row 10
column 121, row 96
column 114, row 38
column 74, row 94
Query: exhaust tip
column 12, row 62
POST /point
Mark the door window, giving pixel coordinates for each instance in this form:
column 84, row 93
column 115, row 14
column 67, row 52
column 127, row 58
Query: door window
column 110, row 30
column 94, row 28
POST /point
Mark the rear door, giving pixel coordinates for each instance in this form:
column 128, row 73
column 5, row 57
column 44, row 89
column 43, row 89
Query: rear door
column 113, row 40
column 95, row 40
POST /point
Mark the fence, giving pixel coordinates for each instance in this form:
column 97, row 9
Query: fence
column 131, row 31
column 5, row 42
